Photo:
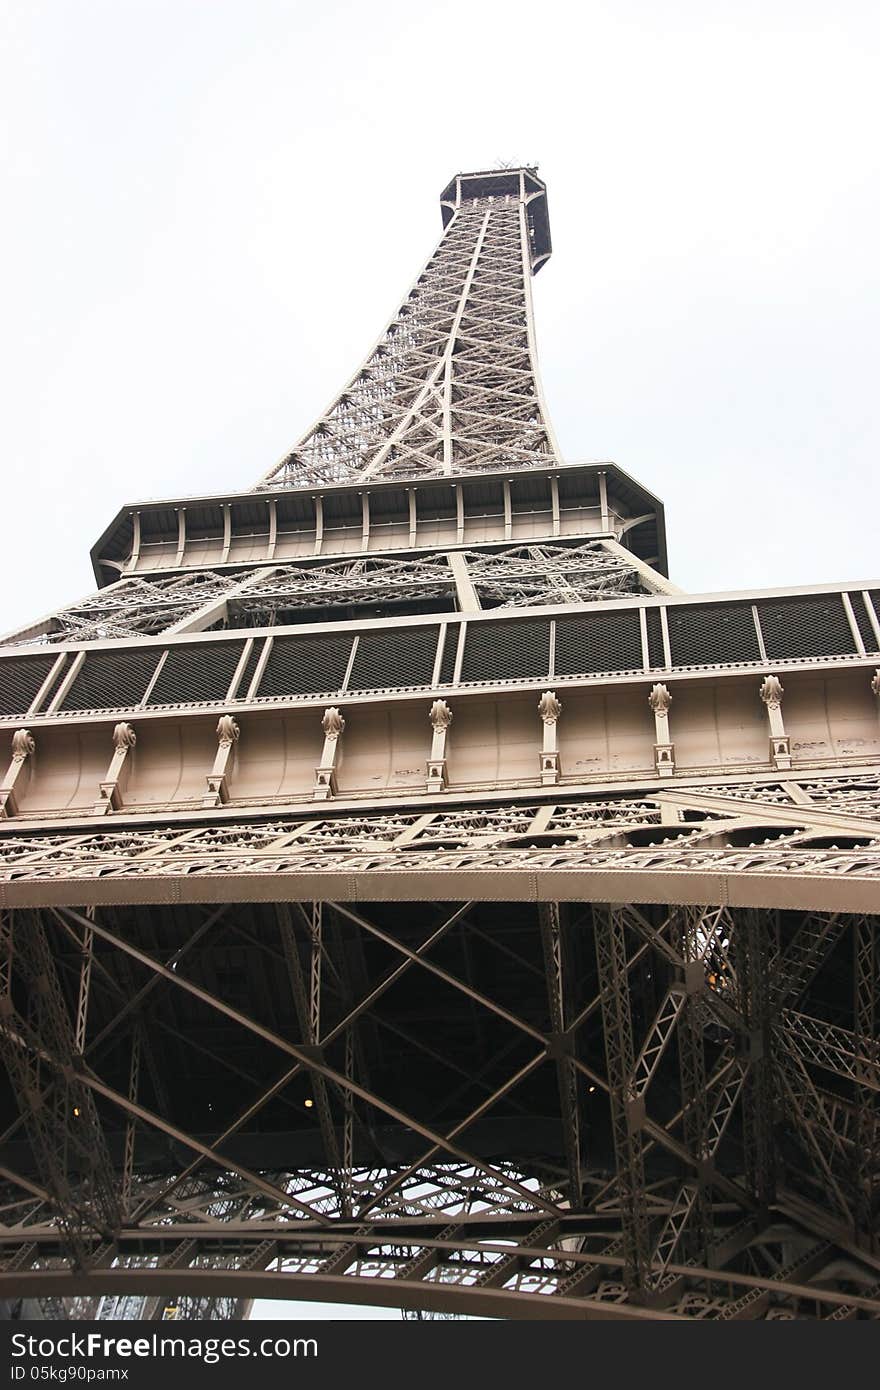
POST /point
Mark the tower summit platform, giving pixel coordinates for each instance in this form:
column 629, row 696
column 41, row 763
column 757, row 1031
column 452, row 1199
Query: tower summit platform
column 521, row 186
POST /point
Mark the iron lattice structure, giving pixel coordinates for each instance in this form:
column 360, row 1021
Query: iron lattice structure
column 409, row 897
column 452, row 385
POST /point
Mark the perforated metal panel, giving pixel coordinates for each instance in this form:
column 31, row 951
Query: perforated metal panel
column 506, row 651
column 863, row 622
column 712, row 633
column 395, row 657
column 20, row 679
column 112, row 679
column 802, row 627
column 305, row 665
column 598, row 642
column 655, row 637
column 196, row 674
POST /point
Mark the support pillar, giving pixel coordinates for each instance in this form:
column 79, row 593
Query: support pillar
column 17, row 774
column 465, row 593
column 771, row 693
column 227, row 737
column 550, row 708
column 441, row 717
column 866, row 1009
column 306, row 993
column 38, row 1046
column 348, row 1129
column 752, row 947
column 692, row 1074
column 627, row 1111
column 333, row 725
column 134, row 1073
column 664, row 749
column 113, row 786
column 85, row 985
column 562, row 1043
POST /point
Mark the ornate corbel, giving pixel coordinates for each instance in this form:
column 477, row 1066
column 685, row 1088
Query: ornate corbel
column 124, row 740
column 549, row 708
column 333, row 725
column 17, row 775
column 771, row 693
column 227, row 737
column 664, row 749
column 440, row 716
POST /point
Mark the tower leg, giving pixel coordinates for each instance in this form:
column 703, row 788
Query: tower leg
column 627, row 1112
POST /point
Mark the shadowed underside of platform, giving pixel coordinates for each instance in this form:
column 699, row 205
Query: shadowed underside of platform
column 517, row 1109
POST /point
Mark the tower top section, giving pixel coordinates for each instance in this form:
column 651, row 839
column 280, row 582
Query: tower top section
column 520, row 185
column 451, row 388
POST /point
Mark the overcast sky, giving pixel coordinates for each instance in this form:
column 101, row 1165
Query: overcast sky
column 211, row 207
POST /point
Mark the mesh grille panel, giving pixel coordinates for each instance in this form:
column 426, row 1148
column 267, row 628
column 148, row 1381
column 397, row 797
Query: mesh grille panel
column 112, row 679
column 450, row 647
column 198, row 673
column 704, row 636
column 20, row 679
column 863, row 622
column 506, row 651
column 305, row 665
column 655, row 637
column 400, row 656
column 803, row 627
column 598, row 642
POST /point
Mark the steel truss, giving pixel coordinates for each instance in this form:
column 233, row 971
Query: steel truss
column 452, row 385
column 692, row 1133
column 694, row 835
column 198, row 600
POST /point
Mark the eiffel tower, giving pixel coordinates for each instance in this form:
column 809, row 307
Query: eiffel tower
column 409, row 897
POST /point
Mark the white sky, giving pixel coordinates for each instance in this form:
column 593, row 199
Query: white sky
column 211, row 207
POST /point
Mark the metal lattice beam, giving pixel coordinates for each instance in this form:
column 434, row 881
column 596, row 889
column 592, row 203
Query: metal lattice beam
column 451, row 387
column 627, row 1110
column 41, row 1053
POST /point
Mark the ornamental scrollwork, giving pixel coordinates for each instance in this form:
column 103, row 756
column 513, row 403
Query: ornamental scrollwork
column 772, row 691
column 22, row 745
column 440, row 716
column 333, row 723
column 660, row 699
column 549, row 707
column 227, row 731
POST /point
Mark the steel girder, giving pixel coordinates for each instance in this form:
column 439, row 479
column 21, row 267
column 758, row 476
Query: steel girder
column 259, row 596
column 41, row 1047
column 679, row 1218
column 866, row 1054
column 686, row 842
column 470, row 1268
column 452, row 385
